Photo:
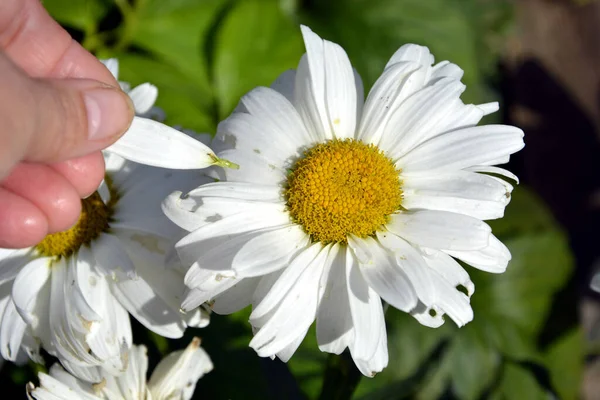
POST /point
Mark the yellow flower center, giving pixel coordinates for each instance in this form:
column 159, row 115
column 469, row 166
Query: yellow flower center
column 93, row 220
column 343, row 187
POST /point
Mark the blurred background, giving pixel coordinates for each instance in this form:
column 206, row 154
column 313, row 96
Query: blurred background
column 536, row 329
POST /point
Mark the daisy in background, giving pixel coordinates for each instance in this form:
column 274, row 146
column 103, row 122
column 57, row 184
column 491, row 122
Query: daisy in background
column 340, row 204
column 174, row 377
column 73, row 292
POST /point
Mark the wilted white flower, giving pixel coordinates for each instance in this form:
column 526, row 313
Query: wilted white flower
column 174, row 377
column 339, row 204
column 74, row 291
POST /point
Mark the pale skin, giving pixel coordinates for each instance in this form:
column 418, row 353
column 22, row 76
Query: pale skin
column 59, row 106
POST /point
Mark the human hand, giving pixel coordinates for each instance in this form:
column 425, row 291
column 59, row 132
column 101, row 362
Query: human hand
column 59, row 106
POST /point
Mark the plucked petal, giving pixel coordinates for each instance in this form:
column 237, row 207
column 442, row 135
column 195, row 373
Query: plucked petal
column 152, row 143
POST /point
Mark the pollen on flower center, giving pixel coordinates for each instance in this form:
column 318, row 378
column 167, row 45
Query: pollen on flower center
column 93, row 220
column 343, row 187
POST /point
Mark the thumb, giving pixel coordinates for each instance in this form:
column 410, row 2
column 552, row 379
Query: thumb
column 43, row 120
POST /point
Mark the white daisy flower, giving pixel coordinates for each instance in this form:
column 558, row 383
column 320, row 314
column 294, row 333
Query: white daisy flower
column 74, row 291
column 148, row 141
column 174, row 377
column 339, row 204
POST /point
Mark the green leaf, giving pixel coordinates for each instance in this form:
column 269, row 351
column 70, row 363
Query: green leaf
column 181, row 99
column 565, row 361
column 176, row 31
column 519, row 383
column 475, row 363
column 80, row 14
column 255, row 44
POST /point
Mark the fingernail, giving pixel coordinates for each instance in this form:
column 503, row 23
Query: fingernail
column 109, row 112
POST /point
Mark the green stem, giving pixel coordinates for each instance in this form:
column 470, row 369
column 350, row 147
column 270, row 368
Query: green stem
column 341, row 377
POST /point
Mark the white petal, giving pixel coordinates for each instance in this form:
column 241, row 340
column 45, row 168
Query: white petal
column 133, row 381
column 462, row 192
column 88, row 288
column 152, row 143
column 463, row 148
column 276, row 115
column 413, row 53
column 111, row 259
column 286, row 281
column 422, row 116
column 334, row 320
column 494, row 170
column 12, row 329
column 112, row 64
column 411, row 262
column 27, row 285
column 493, row 258
column 360, row 95
column 445, row 69
column 366, row 310
column 143, row 97
column 297, row 309
column 325, row 88
column 489, row 108
column 110, row 339
column 269, row 251
column 285, row 83
column 140, row 299
column 447, row 299
column 52, row 389
column 287, row 353
column 252, row 168
column 176, row 209
column 259, row 216
column 58, row 373
column 394, row 85
column 65, row 325
column 239, row 296
column 167, row 283
column 382, row 273
column 429, row 316
column 264, row 139
column 449, row 269
column 149, row 186
column 12, row 261
column 440, row 230
column 263, row 288
column 378, row 361
column 238, row 191
column 212, row 284
column 176, row 375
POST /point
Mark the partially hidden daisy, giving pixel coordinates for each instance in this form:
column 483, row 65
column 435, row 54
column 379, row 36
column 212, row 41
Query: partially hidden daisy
column 174, row 377
column 339, row 205
column 73, row 292
column 150, row 142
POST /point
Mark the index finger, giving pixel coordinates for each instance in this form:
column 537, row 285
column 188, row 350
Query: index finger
column 41, row 47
